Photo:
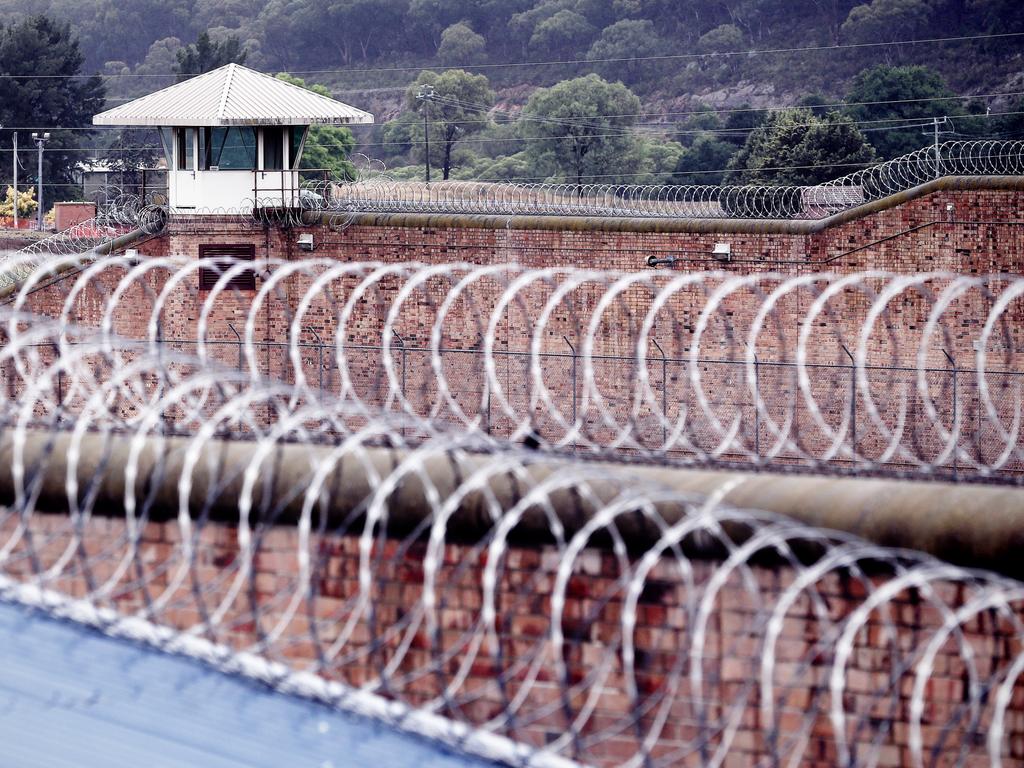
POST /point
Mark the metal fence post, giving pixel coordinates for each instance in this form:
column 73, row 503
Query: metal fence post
column 757, row 410
column 320, row 359
column 239, row 337
column 572, row 350
column 487, row 385
column 488, row 406
column 401, row 343
column 664, row 394
column 853, row 400
column 956, row 447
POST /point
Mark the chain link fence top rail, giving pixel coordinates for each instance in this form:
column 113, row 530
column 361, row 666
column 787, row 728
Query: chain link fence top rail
column 954, row 158
column 541, row 612
column 869, row 372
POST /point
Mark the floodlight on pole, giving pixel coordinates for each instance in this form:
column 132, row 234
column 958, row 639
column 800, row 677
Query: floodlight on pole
column 40, row 139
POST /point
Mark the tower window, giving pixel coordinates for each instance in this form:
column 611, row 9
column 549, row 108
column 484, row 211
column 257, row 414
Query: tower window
column 296, row 141
column 273, row 148
column 229, row 149
column 186, row 160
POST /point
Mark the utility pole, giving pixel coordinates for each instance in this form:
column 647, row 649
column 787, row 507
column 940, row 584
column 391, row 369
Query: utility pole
column 426, row 93
column 426, row 143
column 14, row 135
column 936, row 122
column 40, row 139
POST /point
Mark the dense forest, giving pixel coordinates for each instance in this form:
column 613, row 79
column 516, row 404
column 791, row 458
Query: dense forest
column 645, row 91
column 293, row 35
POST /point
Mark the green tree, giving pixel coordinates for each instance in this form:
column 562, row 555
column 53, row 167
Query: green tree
column 227, row 14
column 1011, row 124
column 426, row 19
column 816, row 103
column 352, row 27
column 994, row 15
column 109, row 29
column 886, row 20
column 522, row 25
column 160, row 62
column 704, row 162
column 627, row 39
column 656, row 161
column 794, row 147
column 741, row 122
column 327, row 146
column 287, row 33
column 26, row 202
column 461, row 45
column 204, row 55
column 563, row 31
column 584, row 127
column 457, row 107
column 514, row 167
column 896, row 100
column 397, row 137
column 831, row 14
column 723, row 39
column 703, row 119
column 40, row 86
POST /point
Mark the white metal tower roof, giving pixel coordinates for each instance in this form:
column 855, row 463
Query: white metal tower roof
column 233, row 95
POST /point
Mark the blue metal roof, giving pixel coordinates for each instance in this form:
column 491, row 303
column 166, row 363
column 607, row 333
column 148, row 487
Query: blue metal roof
column 71, row 696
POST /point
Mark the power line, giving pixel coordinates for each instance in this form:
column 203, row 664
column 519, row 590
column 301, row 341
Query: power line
column 486, row 140
column 679, row 113
column 631, row 130
column 673, row 56
column 915, row 123
column 840, row 104
column 517, row 179
column 97, row 151
column 698, row 131
column 564, row 62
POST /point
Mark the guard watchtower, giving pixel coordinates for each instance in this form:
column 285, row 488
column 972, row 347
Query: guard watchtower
column 233, row 137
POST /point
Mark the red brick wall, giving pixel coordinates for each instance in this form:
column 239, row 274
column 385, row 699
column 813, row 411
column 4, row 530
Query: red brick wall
column 983, row 233
column 983, row 237
column 879, row 677
column 66, row 215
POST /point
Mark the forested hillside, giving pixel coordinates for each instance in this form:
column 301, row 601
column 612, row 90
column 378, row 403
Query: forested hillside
column 356, row 34
column 651, row 91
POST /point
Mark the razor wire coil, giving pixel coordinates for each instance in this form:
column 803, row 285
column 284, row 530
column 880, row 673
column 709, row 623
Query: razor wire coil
column 585, row 614
column 868, row 372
